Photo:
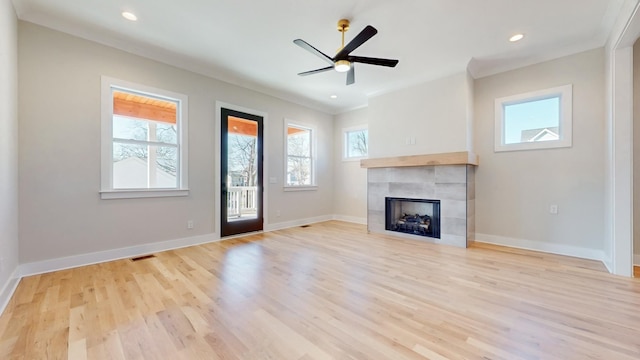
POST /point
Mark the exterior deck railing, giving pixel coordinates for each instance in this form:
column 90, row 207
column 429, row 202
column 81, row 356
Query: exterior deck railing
column 241, row 200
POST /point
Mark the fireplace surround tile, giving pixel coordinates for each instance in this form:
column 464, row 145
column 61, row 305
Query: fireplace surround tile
column 453, row 185
column 422, row 190
column 453, row 174
column 412, row 175
column 455, row 209
column 451, row 191
column 377, row 175
column 454, row 226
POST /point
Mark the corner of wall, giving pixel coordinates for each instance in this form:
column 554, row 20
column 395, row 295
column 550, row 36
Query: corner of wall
column 8, row 290
column 9, row 243
column 470, row 82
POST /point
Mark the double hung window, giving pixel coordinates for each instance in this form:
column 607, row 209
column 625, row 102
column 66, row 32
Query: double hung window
column 300, row 156
column 143, row 141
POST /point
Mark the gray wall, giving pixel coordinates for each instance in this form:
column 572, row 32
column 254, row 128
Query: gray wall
column 8, row 144
column 436, row 114
column 350, row 180
column 514, row 189
column 61, row 213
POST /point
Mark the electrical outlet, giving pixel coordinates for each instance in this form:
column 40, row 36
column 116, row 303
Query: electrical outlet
column 277, row 213
column 553, row 209
column 190, row 224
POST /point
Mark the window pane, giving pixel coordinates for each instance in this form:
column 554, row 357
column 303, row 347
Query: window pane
column 167, row 133
column 130, row 129
column 167, row 165
column 357, row 143
column 242, row 159
column 299, row 156
column 131, row 168
column 532, row 121
column 142, row 106
column 299, row 142
column 298, row 170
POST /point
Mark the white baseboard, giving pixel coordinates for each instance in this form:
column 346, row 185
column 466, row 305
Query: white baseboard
column 39, row 267
column 608, row 262
column 299, row 222
column 67, row 262
column 50, row 265
column 351, row 219
column 8, row 289
column 559, row 249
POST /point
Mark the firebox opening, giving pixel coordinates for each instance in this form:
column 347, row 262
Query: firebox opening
column 413, row 216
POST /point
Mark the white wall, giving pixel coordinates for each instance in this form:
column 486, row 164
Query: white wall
column 470, row 92
column 434, row 113
column 350, row 180
column 619, row 140
column 61, row 213
column 636, row 151
column 515, row 189
column 8, row 148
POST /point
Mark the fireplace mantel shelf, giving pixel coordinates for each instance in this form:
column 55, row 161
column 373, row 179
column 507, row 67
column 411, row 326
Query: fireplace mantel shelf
column 454, row 158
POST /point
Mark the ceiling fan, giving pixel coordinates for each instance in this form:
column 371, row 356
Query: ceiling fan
column 343, row 61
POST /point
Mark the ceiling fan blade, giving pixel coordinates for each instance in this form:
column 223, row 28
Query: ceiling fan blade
column 360, row 39
column 305, row 45
column 351, row 75
column 373, row 61
column 316, row 71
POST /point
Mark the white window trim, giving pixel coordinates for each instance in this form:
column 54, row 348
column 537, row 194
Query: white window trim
column 565, row 126
column 347, row 130
column 107, row 191
column 314, row 185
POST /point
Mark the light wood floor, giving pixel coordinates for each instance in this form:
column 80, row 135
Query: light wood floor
column 329, row 291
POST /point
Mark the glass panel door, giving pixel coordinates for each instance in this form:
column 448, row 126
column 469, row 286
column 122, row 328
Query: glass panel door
column 241, row 172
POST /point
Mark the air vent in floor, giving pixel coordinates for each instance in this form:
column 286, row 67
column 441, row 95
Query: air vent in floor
column 143, row 257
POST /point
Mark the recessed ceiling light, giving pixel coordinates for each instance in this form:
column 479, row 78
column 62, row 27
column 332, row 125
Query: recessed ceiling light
column 129, row 16
column 516, row 37
column 334, row 96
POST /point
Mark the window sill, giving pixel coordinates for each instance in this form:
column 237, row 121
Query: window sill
column 133, row 194
column 538, row 145
column 301, row 188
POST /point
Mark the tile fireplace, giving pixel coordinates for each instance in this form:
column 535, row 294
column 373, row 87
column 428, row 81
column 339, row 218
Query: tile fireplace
column 445, row 179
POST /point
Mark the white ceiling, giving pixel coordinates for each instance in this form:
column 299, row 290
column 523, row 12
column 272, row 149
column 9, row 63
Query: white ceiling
column 250, row 43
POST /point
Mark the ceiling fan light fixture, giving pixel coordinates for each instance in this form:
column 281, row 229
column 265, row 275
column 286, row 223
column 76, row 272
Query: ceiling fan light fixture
column 342, row 66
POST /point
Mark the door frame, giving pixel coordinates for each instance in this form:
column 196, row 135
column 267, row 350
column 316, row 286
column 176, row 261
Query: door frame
column 218, row 170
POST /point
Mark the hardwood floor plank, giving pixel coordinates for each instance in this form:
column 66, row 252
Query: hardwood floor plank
column 328, row 291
